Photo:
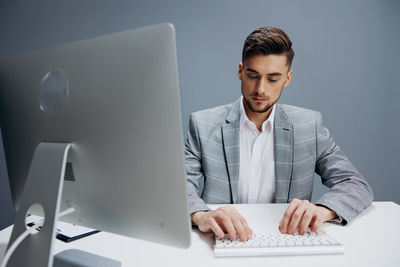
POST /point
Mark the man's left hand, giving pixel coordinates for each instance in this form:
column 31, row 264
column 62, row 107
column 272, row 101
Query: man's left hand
column 302, row 214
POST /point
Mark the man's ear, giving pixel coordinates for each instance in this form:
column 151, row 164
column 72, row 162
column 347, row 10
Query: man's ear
column 288, row 78
column 240, row 70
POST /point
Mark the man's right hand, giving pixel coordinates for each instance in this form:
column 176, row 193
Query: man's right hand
column 223, row 220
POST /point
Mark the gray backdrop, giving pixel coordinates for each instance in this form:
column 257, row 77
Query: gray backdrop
column 346, row 62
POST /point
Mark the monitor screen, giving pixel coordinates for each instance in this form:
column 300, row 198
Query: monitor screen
column 115, row 98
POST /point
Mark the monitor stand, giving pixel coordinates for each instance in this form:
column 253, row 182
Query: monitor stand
column 44, row 187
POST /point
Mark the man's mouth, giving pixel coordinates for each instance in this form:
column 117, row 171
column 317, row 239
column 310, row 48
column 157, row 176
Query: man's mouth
column 259, row 99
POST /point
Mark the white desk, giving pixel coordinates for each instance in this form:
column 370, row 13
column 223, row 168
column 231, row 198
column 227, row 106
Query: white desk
column 372, row 239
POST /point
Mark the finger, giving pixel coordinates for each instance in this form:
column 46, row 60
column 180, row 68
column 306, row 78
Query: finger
column 312, row 223
column 216, row 228
column 240, row 224
column 228, row 226
column 240, row 229
column 247, row 228
column 316, row 224
column 247, row 231
column 306, row 220
column 288, row 215
column 297, row 216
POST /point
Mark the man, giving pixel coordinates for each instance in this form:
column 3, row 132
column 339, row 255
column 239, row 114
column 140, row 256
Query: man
column 257, row 151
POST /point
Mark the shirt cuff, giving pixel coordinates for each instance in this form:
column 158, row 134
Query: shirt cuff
column 337, row 220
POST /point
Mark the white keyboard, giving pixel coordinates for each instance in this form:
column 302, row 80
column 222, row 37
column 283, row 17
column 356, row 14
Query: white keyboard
column 278, row 244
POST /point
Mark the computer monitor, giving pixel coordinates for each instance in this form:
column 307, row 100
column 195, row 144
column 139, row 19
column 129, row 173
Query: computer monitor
column 115, row 99
column 6, row 208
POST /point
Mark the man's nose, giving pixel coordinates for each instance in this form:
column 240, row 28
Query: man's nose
column 261, row 86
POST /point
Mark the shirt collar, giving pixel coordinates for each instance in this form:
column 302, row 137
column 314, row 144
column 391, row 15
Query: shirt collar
column 243, row 116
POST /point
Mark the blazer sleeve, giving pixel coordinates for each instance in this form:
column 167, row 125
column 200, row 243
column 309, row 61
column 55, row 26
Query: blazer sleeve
column 349, row 192
column 194, row 174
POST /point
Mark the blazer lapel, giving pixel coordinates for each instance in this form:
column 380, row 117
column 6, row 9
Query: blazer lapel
column 230, row 141
column 283, row 134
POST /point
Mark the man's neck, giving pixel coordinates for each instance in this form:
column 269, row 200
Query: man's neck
column 257, row 118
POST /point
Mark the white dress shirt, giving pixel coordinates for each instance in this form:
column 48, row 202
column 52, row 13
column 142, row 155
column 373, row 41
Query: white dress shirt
column 257, row 166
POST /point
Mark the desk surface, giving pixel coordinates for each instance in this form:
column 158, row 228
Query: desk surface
column 372, row 239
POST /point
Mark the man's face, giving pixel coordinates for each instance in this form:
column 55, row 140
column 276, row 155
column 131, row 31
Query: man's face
column 263, row 78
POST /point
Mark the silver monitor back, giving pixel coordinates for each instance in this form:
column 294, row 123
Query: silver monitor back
column 121, row 113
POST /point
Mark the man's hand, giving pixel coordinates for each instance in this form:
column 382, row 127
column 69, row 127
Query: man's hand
column 302, row 214
column 223, row 220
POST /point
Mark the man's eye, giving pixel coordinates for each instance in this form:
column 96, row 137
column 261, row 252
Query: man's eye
column 272, row 80
column 252, row 76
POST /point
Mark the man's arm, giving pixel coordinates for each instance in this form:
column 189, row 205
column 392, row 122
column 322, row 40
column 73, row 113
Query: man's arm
column 349, row 192
column 194, row 174
column 224, row 219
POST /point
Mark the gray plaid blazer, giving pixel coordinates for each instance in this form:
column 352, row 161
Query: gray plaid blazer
column 302, row 147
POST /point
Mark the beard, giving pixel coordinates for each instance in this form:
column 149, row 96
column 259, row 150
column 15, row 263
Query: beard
column 255, row 109
column 261, row 109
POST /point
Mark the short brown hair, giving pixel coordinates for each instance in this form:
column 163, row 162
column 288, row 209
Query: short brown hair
column 267, row 41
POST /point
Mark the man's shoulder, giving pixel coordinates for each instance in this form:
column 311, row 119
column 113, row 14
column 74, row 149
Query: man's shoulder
column 215, row 115
column 297, row 115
